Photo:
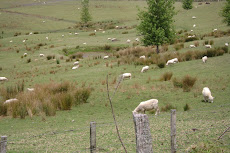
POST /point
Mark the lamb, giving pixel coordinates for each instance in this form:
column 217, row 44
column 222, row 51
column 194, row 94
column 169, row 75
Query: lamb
column 126, row 75
column 30, row 89
column 207, row 94
column 192, row 46
column 204, row 59
column 41, row 55
column 105, row 57
column 208, row 46
column 148, row 105
column 3, row 79
column 75, row 67
column 172, row 61
column 76, row 33
column 144, row 69
column 142, row 56
column 76, row 63
column 10, row 101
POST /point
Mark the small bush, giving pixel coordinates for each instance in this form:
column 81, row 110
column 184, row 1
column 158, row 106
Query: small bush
column 3, row 109
column 167, row 107
column 161, row 64
column 211, row 52
column 186, row 107
column 178, row 46
column 225, row 49
column 49, row 57
column 66, row 102
column 166, row 76
column 206, row 42
column 92, row 34
column 188, row 56
column 58, row 61
column 211, row 42
column 177, row 83
column 82, row 95
column 28, row 60
column 188, row 82
column 36, row 33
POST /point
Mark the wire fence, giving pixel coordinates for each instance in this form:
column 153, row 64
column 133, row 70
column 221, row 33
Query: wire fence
column 189, row 134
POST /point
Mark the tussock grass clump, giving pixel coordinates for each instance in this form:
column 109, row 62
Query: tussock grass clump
column 178, row 46
column 177, row 83
column 46, row 99
column 0, row 68
column 29, row 60
column 188, row 82
column 92, row 34
column 125, row 32
column 11, row 91
column 191, row 39
column 166, row 76
column 196, row 43
column 49, row 57
column 107, row 47
column 167, row 108
column 187, row 107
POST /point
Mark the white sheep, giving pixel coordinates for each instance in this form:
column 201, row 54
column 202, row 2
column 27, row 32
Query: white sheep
column 30, row 89
column 11, row 41
column 208, row 46
column 84, row 43
column 226, row 44
column 103, row 31
column 105, row 57
column 207, row 94
column 24, row 41
column 192, row 46
column 3, row 79
column 128, row 41
column 76, row 33
column 214, row 30
column 194, row 26
column 143, row 57
column 148, row 105
column 41, row 55
column 172, row 61
column 70, row 33
column 144, row 69
column 10, row 101
column 25, row 54
column 114, row 39
column 30, row 33
column 47, row 38
column 109, row 38
column 176, row 60
column 76, row 63
column 193, row 17
column 204, row 59
column 75, row 67
column 137, row 39
column 126, row 75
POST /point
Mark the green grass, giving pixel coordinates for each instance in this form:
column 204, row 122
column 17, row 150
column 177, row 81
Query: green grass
column 35, row 135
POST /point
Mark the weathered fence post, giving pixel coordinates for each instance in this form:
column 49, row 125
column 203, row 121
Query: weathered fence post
column 143, row 135
column 173, row 130
column 3, row 144
column 93, row 137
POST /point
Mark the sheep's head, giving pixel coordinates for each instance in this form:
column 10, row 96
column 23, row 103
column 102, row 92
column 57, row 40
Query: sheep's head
column 211, row 99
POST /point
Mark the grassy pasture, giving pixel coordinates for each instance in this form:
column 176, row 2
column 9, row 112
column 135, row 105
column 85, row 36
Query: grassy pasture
column 68, row 131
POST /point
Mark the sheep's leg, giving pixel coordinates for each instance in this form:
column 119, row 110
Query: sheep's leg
column 157, row 111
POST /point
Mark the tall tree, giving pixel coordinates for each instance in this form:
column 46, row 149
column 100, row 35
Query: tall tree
column 187, row 4
column 225, row 12
column 85, row 15
column 156, row 24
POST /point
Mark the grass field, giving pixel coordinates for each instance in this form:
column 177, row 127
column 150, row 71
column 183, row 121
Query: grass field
column 68, row 131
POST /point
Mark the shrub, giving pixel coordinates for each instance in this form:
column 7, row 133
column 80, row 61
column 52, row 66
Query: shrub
column 22, row 111
column 107, row 47
column 211, row 42
column 28, row 60
column 211, row 52
column 166, row 76
column 82, row 95
column 186, row 107
column 188, row 55
column 161, row 64
column 188, row 82
column 125, row 32
column 165, row 48
column 58, row 61
column 167, row 107
column 66, row 102
column 36, row 33
column 3, row 109
column 191, row 39
column 206, row 42
column 225, row 49
column 49, row 57
column 178, row 46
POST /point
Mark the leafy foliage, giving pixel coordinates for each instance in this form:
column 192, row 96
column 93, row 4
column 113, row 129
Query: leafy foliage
column 85, row 15
column 225, row 12
column 187, row 4
column 156, row 24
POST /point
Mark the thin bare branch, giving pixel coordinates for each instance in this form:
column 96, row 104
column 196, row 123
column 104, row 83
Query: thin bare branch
column 223, row 133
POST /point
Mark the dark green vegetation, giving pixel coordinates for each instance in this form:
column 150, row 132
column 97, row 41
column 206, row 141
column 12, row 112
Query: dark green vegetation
column 226, row 12
column 62, row 123
column 187, row 4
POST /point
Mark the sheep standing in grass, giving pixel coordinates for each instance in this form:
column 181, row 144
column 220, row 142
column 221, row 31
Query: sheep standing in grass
column 143, row 57
column 192, row 46
column 3, row 79
column 41, row 55
column 75, row 67
column 148, row 105
column 172, row 61
column 76, row 63
column 207, row 94
column 126, row 75
column 105, row 57
column 226, row 44
column 208, row 46
column 144, row 69
column 11, row 101
column 204, row 59
column 30, row 89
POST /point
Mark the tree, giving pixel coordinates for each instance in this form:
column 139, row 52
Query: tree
column 225, row 12
column 85, row 16
column 156, row 24
column 187, row 4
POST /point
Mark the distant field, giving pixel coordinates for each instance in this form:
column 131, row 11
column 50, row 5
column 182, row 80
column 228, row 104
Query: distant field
column 68, row 131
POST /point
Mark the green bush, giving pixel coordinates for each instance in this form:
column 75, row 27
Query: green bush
column 161, row 64
column 187, row 107
column 66, row 102
column 28, row 60
column 166, row 76
column 58, row 61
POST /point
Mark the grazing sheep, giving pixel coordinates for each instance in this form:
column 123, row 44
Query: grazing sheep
column 41, row 55
column 142, row 56
column 30, row 33
column 126, row 75
column 30, row 89
column 137, row 39
column 103, row 31
column 172, row 61
column 3, row 79
column 191, row 30
column 192, row 46
column 193, row 17
column 11, row 41
column 47, row 38
column 24, row 41
column 117, row 27
column 95, row 30
column 204, row 59
column 207, row 94
column 10, row 100
column 70, row 33
column 105, row 57
column 43, row 21
column 148, row 105
column 208, row 46
column 144, row 69
column 84, row 43
column 25, row 54
column 194, row 26
column 226, row 44
column 76, row 63
column 109, row 38
column 128, row 41
column 76, row 33
column 114, row 39
column 192, row 36
column 214, row 30
column 75, row 67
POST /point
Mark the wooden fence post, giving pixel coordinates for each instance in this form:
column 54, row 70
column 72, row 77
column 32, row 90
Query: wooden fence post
column 3, row 144
column 143, row 135
column 93, row 137
column 173, row 130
